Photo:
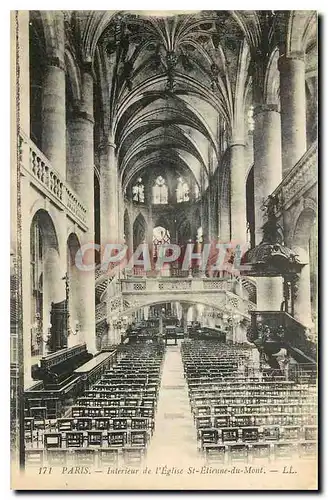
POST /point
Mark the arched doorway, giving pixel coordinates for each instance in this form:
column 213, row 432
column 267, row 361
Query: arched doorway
column 73, row 246
column 161, row 236
column 139, row 231
column 47, row 286
column 305, row 245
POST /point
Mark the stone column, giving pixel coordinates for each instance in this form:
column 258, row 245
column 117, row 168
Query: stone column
column 108, row 194
column 111, row 334
column 185, row 321
column 160, row 325
column 24, row 64
column 267, row 176
column 120, row 209
column 26, row 284
column 238, row 193
column 81, row 177
column 302, row 297
column 293, row 109
column 53, row 103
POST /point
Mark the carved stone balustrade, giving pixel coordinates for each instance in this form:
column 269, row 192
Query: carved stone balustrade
column 301, row 178
column 45, row 178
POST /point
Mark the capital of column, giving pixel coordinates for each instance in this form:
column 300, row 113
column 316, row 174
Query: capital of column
column 264, row 108
column 236, row 142
column 82, row 115
column 56, row 61
column 106, row 144
column 284, row 60
column 86, row 67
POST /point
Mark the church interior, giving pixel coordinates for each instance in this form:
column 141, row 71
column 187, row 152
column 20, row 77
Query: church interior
column 168, row 131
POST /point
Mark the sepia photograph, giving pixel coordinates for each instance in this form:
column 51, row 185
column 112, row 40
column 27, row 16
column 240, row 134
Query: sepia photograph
column 164, row 250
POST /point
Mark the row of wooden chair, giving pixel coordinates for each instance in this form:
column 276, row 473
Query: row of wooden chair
column 84, row 457
column 233, row 410
column 116, row 414
column 258, row 453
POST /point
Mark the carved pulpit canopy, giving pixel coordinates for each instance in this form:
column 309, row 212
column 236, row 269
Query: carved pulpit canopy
column 271, row 257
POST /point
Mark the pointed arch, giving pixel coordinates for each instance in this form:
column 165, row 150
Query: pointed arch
column 139, row 231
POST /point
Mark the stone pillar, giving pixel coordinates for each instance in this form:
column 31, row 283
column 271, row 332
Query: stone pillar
column 185, row 321
column 53, row 103
column 190, row 314
column 24, row 63
column 120, row 210
column 108, row 194
column 240, row 333
column 26, row 285
column 267, row 176
column 293, row 109
column 81, row 177
column 267, row 159
column 238, row 193
column 302, row 297
column 111, row 334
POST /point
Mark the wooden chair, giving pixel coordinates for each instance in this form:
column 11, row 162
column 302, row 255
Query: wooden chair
column 108, row 457
column 120, row 423
column 284, row 450
column 85, row 457
column 65, row 424
column 83, row 424
column 74, row 439
column 77, row 411
column 215, row 453
column 222, row 421
column 52, row 440
column 102, row 423
column 271, row 433
column 203, row 422
column 138, row 438
column 28, row 428
column 290, row 433
column 310, row 433
column 133, row 456
column 34, row 458
column 238, row 453
column 116, row 438
column 209, row 436
column 259, row 452
column 307, row 449
column 229, row 434
column 250, row 434
column 57, row 457
column 95, row 438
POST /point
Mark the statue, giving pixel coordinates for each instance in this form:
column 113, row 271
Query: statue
column 272, row 231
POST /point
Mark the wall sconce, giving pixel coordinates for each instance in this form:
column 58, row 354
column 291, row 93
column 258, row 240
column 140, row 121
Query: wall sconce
column 74, row 331
column 76, row 327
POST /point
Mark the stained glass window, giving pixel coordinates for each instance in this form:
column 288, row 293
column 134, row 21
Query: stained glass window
column 182, row 190
column 160, row 191
column 138, row 191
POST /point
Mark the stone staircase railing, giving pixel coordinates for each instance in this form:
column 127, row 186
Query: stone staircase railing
column 49, row 181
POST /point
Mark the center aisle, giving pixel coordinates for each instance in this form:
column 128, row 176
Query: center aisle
column 175, row 437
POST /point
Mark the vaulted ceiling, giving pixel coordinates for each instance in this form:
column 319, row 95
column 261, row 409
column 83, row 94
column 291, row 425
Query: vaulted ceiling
column 165, row 81
column 166, row 84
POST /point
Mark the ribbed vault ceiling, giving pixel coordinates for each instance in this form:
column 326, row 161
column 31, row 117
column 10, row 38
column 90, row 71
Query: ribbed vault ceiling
column 164, row 81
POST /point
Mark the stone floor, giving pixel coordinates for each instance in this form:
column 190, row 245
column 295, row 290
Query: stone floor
column 174, row 441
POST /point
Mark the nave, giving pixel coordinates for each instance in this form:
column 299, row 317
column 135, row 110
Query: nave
column 198, row 402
